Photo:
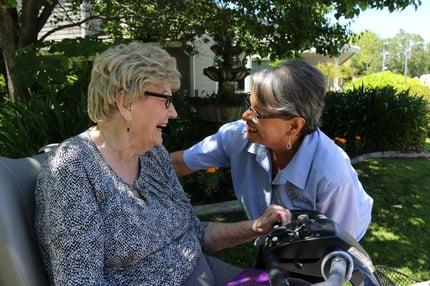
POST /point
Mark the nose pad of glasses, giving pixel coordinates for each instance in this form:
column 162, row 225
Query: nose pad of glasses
column 171, row 110
column 247, row 115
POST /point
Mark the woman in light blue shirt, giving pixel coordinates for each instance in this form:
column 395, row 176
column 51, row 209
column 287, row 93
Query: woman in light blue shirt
column 278, row 155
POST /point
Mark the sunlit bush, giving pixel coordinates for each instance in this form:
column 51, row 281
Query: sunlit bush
column 376, row 119
column 387, row 78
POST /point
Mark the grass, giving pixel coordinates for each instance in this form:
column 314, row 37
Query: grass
column 399, row 235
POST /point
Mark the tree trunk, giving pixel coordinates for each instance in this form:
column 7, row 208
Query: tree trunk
column 16, row 90
column 8, row 45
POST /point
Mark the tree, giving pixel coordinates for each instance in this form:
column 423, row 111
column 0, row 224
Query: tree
column 407, row 47
column 20, row 26
column 273, row 28
column 269, row 28
column 336, row 73
column 427, row 58
column 369, row 60
column 18, row 30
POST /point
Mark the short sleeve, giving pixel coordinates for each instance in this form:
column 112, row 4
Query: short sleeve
column 68, row 222
column 215, row 150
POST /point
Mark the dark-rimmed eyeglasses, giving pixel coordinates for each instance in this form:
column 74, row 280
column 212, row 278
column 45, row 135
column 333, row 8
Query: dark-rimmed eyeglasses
column 168, row 98
column 255, row 115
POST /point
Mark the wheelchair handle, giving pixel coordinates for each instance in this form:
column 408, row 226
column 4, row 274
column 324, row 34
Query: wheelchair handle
column 340, row 271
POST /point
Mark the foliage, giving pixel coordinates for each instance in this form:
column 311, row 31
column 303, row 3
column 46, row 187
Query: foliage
column 412, row 46
column 19, row 27
column 398, row 235
column 333, row 71
column 58, row 74
column 262, row 27
column 330, row 70
column 3, row 90
column 376, row 119
column 427, row 145
column 387, row 78
column 58, row 68
column 369, row 60
column 271, row 28
column 378, row 54
column 182, row 133
column 27, row 126
column 208, row 186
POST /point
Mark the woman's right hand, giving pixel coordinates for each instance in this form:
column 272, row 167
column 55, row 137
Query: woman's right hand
column 273, row 213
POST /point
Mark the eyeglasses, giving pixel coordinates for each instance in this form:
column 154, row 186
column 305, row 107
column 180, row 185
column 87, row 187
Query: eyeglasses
column 168, row 98
column 255, row 115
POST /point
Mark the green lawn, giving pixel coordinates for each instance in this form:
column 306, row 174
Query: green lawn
column 399, row 235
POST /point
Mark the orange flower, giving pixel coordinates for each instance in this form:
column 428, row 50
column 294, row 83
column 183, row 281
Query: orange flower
column 357, row 137
column 340, row 140
column 211, row 170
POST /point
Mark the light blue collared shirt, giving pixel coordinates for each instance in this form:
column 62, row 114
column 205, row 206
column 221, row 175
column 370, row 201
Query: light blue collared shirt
column 319, row 177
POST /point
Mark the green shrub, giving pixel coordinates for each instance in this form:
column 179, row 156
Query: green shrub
column 397, row 81
column 181, row 133
column 208, row 186
column 2, row 84
column 57, row 73
column 27, row 126
column 58, row 68
column 3, row 88
column 376, row 119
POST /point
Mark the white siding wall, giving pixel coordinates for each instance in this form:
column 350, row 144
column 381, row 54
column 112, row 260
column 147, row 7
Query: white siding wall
column 64, row 11
column 204, row 59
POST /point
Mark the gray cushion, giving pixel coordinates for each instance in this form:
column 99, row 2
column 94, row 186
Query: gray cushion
column 20, row 262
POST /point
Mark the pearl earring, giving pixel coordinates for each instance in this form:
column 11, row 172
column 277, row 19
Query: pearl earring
column 289, row 146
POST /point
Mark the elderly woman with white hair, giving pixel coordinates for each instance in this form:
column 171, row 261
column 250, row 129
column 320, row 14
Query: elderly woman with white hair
column 109, row 206
column 278, row 155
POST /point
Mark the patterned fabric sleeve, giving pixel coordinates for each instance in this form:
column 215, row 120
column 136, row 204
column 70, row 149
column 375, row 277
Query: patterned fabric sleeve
column 68, row 222
column 199, row 227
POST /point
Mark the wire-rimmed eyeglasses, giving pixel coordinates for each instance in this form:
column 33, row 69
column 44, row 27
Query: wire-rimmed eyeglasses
column 168, row 98
column 255, row 115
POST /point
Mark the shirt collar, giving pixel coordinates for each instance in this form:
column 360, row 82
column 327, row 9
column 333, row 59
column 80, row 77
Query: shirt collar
column 261, row 155
column 296, row 172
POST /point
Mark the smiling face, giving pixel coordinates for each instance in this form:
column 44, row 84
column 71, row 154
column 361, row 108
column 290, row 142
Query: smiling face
column 271, row 132
column 149, row 116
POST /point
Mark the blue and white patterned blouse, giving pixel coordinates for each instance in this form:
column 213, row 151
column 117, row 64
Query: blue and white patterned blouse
column 93, row 231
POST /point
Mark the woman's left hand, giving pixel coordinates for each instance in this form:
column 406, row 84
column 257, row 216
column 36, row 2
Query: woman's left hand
column 273, row 213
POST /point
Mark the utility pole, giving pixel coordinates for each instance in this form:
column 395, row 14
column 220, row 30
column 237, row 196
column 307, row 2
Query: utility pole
column 384, row 59
column 407, row 54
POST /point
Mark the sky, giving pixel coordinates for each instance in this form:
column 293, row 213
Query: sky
column 386, row 24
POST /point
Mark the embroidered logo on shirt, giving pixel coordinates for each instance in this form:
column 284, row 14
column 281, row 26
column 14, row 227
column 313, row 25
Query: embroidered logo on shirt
column 299, row 200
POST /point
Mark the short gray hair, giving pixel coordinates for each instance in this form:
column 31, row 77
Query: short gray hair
column 294, row 88
column 130, row 68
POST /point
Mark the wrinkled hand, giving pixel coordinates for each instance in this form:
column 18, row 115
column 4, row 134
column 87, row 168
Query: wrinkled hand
column 264, row 224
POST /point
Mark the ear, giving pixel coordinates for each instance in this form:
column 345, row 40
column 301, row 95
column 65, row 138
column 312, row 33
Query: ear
column 296, row 125
column 123, row 105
